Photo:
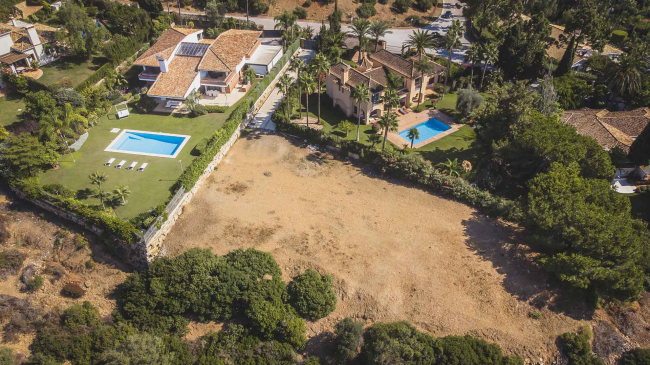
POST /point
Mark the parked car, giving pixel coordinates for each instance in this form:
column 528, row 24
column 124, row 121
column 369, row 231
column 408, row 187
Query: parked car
column 447, row 14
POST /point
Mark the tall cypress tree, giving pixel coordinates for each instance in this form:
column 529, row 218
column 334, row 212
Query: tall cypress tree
column 335, row 18
column 567, row 59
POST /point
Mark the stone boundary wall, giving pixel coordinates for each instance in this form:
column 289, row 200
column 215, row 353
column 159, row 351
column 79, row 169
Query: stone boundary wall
column 133, row 253
column 154, row 246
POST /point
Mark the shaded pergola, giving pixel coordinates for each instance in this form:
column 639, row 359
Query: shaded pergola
column 15, row 60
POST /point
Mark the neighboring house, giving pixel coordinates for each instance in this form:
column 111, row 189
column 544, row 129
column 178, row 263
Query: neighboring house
column 342, row 79
column 181, row 62
column 21, row 43
column 609, row 129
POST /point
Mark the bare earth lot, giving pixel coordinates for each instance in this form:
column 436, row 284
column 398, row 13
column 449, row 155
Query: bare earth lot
column 395, row 252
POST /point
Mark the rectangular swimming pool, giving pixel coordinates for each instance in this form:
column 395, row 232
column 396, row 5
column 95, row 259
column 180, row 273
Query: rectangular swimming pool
column 148, row 143
column 428, row 129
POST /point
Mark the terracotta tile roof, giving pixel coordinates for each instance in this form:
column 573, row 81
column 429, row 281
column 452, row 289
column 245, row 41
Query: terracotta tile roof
column 609, row 129
column 27, row 10
column 229, row 49
column 175, row 83
column 164, row 46
column 394, row 62
column 376, row 76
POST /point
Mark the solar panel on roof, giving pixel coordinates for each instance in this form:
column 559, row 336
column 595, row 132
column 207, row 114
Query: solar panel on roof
column 192, row 49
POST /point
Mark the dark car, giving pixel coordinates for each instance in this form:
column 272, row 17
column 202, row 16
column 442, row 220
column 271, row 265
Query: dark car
column 447, row 14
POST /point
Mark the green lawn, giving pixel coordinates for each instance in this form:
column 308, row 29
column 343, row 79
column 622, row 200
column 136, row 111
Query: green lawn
column 456, row 145
column 331, row 117
column 149, row 188
column 74, row 69
column 12, row 106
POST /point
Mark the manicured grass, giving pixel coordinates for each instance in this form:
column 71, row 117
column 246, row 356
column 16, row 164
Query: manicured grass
column 10, row 105
column 456, row 145
column 74, row 69
column 331, row 117
column 149, row 188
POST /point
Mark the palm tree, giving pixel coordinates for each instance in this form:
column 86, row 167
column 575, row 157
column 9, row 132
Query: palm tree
column 377, row 30
column 285, row 21
column 298, row 65
column 423, row 66
column 388, row 121
column 452, row 40
column 420, row 40
column 98, row 178
column 451, row 167
column 308, row 32
column 284, row 84
column 473, row 55
column 359, row 29
column 489, row 53
column 249, row 74
column 122, row 192
column 625, row 76
column 394, row 81
column 413, row 135
column 306, row 81
column 360, row 94
column 320, row 66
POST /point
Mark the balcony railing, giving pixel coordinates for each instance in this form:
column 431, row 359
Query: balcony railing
column 144, row 75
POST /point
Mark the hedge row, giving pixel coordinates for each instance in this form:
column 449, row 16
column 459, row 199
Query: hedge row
column 216, row 108
column 410, row 167
column 96, row 76
column 123, row 230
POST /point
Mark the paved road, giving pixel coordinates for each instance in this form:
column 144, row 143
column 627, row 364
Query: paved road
column 263, row 117
column 398, row 36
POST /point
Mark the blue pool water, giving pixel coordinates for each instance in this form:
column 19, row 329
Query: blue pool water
column 148, row 143
column 428, row 129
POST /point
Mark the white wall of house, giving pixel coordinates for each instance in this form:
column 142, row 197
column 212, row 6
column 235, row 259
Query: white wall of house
column 194, row 86
column 275, row 60
column 5, row 43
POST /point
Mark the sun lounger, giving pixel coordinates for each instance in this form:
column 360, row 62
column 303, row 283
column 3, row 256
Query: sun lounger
column 143, row 166
column 132, row 165
column 110, row 162
column 119, row 165
column 403, row 111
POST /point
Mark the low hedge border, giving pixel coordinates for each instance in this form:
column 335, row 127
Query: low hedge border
column 216, row 108
column 123, row 230
column 413, row 168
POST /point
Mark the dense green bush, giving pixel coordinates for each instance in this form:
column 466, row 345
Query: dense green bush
column 101, row 72
column 312, row 295
column 619, row 36
column 366, row 10
column 468, row 350
column 636, row 356
column 35, row 283
column 11, row 261
column 576, row 348
column 60, row 190
column 7, row 356
column 216, row 108
column 120, row 48
column 300, row 13
column 347, row 340
column 425, row 5
column 402, row 6
column 397, row 343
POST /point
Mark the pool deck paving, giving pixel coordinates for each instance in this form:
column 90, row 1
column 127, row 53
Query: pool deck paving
column 412, row 119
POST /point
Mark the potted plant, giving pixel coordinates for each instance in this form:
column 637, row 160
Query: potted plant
column 34, row 65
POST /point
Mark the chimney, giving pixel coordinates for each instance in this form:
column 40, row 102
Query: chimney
column 381, row 45
column 162, row 63
column 33, row 35
column 346, row 75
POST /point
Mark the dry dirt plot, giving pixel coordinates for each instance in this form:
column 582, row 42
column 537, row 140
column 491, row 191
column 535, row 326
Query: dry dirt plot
column 395, row 252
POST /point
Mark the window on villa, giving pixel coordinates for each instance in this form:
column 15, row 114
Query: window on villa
column 375, row 97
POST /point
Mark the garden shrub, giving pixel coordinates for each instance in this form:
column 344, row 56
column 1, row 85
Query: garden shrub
column 468, row 100
column 400, row 342
column 402, row 6
column 69, row 96
column 618, row 36
column 294, row 333
column 348, row 335
column 414, row 19
column 73, row 290
column 60, row 190
column 366, row 10
column 198, row 110
column 216, row 108
column 146, row 104
column 199, row 149
column 312, row 295
column 636, row 356
column 113, row 95
column 307, row 3
column 300, row 13
column 576, row 348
